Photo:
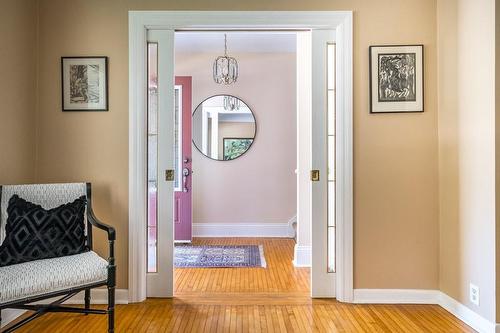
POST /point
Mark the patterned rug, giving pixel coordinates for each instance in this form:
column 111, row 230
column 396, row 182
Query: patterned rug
column 216, row 256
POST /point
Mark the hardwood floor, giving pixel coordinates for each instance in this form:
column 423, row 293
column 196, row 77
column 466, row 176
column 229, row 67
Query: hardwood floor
column 274, row 299
column 280, row 276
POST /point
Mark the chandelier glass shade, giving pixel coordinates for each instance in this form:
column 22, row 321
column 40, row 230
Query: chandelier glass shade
column 225, row 69
column 231, row 103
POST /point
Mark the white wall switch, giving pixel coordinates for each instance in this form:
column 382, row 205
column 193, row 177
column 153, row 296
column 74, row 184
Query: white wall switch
column 474, row 294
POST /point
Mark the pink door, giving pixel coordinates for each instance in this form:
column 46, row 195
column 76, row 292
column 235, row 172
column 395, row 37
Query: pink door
column 183, row 182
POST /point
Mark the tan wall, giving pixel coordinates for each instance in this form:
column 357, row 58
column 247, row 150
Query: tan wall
column 467, row 150
column 260, row 186
column 17, row 90
column 395, row 156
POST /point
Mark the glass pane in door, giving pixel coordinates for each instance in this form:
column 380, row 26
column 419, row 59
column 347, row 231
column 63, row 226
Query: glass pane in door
column 152, row 151
column 178, row 138
column 331, row 155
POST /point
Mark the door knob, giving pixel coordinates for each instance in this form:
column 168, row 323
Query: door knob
column 185, row 174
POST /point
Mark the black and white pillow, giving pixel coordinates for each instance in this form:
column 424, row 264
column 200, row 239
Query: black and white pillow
column 34, row 233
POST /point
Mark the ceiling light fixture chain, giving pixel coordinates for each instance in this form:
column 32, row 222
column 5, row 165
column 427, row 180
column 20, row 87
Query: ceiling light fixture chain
column 225, row 45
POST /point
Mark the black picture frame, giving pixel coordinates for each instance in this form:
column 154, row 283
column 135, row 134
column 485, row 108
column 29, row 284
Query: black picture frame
column 103, row 92
column 410, row 105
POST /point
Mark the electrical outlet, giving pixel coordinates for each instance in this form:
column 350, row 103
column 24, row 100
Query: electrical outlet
column 474, row 294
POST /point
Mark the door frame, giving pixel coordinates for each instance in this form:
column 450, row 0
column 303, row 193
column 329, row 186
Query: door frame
column 142, row 21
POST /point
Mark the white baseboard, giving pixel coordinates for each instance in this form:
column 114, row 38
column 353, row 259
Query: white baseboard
column 471, row 318
column 420, row 296
column 271, row 229
column 302, row 256
column 395, row 296
column 292, row 227
column 98, row 296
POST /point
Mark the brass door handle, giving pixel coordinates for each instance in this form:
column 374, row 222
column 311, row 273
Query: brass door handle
column 169, row 175
column 315, row 175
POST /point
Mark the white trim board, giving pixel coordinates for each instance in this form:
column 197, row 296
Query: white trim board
column 302, row 256
column 100, row 296
column 422, row 296
column 282, row 230
column 142, row 21
column 97, row 296
column 395, row 296
column 471, row 318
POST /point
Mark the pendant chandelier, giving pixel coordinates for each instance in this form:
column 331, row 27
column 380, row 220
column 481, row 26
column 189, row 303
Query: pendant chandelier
column 225, row 69
column 231, row 103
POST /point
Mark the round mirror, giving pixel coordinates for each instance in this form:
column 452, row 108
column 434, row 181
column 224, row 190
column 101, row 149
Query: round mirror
column 223, row 127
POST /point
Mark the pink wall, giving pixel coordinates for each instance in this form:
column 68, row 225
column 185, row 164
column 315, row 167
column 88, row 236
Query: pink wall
column 260, row 186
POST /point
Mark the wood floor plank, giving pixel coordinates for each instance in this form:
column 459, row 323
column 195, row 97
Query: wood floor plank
column 271, row 299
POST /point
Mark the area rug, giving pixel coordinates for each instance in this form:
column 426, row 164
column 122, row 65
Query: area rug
column 217, row 256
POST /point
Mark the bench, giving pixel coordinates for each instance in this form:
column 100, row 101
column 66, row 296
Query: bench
column 23, row 284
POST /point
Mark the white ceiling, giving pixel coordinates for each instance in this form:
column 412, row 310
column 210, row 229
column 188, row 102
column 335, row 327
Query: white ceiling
column 237, row 42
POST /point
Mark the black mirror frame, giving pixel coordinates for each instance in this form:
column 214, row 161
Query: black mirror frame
column 254, row 134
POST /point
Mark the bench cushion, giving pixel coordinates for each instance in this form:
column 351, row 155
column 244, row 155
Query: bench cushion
column 35, row 278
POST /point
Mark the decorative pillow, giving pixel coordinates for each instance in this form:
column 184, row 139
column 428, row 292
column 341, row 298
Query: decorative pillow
column 34, row 233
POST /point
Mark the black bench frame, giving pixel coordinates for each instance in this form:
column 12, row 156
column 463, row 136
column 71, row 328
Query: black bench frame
column 56, row 306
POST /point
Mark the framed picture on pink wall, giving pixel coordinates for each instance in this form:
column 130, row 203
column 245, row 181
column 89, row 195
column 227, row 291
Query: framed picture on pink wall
column 84, row 83
column 396, row 78
column 235, row 147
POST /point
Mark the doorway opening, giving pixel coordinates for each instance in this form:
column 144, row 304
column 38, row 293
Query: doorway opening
column 322, row 28
column 238, row 213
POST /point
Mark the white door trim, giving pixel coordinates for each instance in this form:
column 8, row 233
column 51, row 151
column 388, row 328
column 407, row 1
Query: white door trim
column 139, row 23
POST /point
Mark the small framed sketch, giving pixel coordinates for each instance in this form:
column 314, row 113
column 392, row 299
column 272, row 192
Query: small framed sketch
column 396, row 78
column 84, row 83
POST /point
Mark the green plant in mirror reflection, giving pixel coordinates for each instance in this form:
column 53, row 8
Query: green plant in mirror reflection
column 234, row 147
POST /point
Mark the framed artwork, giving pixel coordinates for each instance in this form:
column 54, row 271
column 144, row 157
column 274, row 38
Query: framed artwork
column 396, row 78
column 235, row 147
column 84, row 83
